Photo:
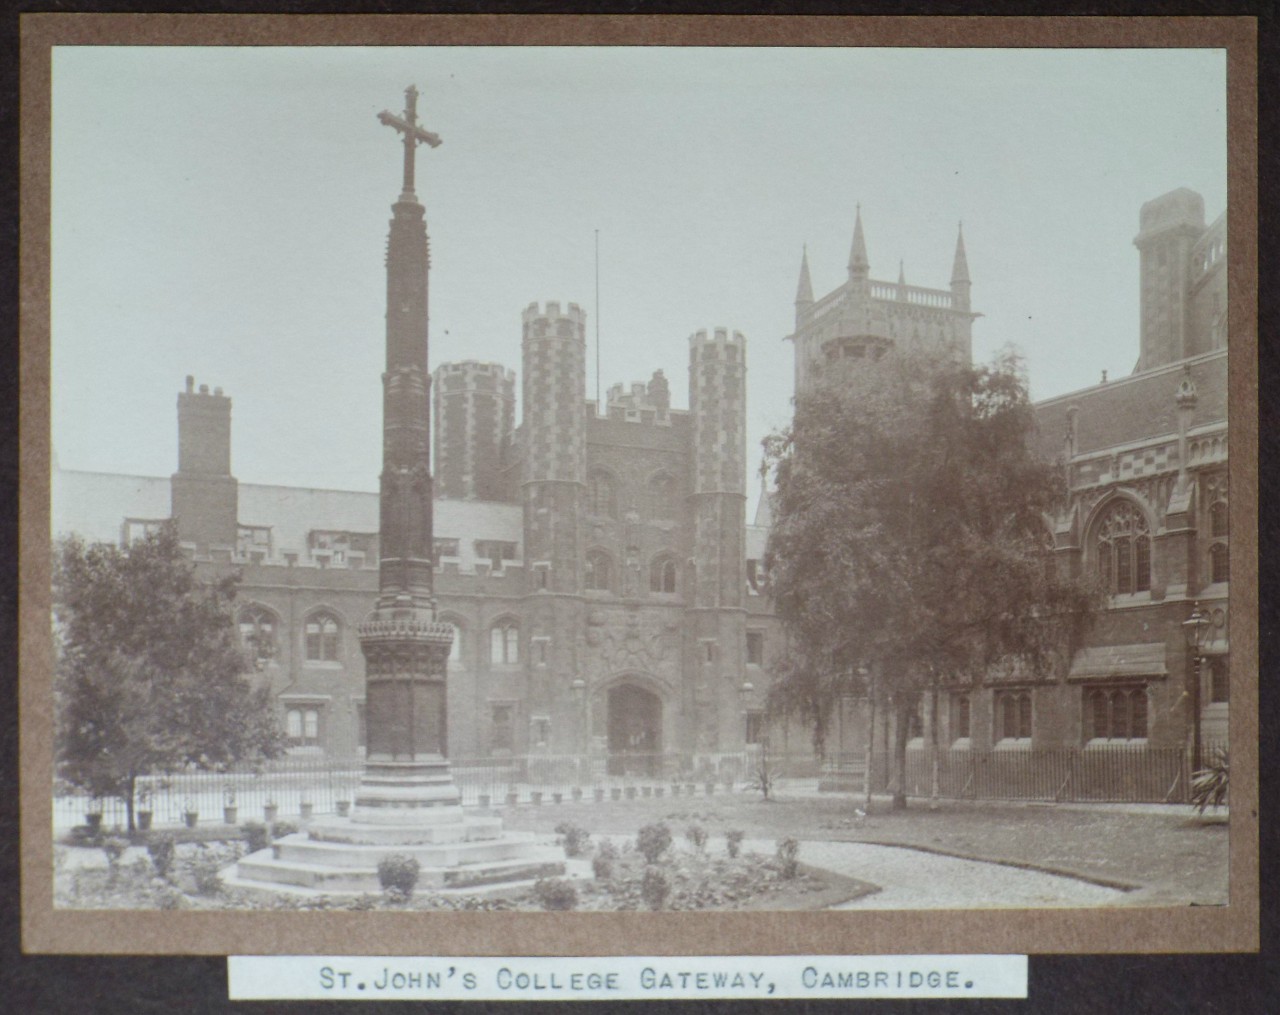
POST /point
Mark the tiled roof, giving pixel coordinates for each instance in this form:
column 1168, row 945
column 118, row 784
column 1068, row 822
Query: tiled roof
column 1134, row 408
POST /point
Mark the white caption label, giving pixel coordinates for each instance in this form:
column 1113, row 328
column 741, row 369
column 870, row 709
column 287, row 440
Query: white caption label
column 625, row 977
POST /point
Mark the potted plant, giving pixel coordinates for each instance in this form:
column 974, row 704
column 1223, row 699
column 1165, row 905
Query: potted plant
column 675, row 789
column 599, row 794
column 615, row 793
column 270, row 811
column 304, row 809
column 229, row 808
column 189, row 813
column 485, row 799
column 343, row 807
column 144, row 813
column 557, row 797
column 577, row 793
column 536, row 796
column 513, row 798
column 93, row 816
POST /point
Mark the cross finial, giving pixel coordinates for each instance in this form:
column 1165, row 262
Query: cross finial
column 413, row 134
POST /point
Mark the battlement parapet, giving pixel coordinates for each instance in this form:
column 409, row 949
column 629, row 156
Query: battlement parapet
column 718, row 337
column 473, row 367
column 552, row 312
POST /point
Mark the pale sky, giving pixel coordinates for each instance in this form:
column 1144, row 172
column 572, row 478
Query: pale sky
column 223, row 213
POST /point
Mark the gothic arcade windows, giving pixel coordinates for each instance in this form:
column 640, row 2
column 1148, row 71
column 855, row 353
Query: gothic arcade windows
column 302, row 726
column 504, row 643
column 258, row 627
column 602, row 494
column 598, row 573
column 662, row 496
column 1013, row 714
column 662, row 574
column 1123, row 549
column 320, row 638
column 1116, row 713
column 1219, row 528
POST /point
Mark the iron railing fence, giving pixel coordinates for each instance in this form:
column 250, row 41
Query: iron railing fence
column 318, row 782
column 1098, row 773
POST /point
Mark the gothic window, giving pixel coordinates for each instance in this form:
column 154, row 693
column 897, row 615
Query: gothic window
column 302, row 726
column 502, row 729
column 1123, row 549
column 597, row 571
column 455, row 647
column 504, row 642
column 960, row 717
column 662, row 575
column 322, row 638
column 662, row 496
column 1219, row 527
column 602, row 495
column 258, row 633
column 1116, row 713
column 1013, row 715
column 1219, row 680
column 755, row 648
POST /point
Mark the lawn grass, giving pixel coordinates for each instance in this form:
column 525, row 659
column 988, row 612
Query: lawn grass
column 1168, row 858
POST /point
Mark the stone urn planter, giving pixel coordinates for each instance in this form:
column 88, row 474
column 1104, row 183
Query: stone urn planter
column 304, row 810
column 615, row 793
column 270, row 811
column 599, row 794
column 631, row 792
column 675, row 789
column 659, row 790
column 190, row 818
column 343, row 807
column 557, row 798
column 512, row 798
column 536, row 797
column 229, row 814
column 646, row 791
column 577, row 793
column 94, row 820
column 144, row 821
column 484, row 799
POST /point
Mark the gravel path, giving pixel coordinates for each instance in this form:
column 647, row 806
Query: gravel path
column 911, row 879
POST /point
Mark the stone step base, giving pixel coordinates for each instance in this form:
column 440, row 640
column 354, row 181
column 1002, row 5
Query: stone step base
column 469, row 828
column 574, row 870
column 532, row 862
column 300, row 849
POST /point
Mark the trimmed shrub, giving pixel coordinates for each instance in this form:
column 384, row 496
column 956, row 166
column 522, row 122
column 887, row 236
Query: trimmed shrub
column 697, row 836
column 602, row 863
column 788, row 851
column 398, row 875
column 279, row 829
column 555, row 894
column 733, row 841
column 162, row 850
column 573, row 837
column 203, row 868
column 655, row 887
column 653, row 840
column 256, row 836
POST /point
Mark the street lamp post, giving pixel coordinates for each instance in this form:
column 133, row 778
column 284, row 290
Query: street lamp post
column 1194, row 628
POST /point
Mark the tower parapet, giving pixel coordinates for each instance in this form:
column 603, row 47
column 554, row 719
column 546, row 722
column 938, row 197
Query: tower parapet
column 554, row 387
column 204, row 494
column 475, row 406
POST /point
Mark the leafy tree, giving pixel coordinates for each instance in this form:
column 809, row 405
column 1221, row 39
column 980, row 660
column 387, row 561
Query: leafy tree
column 150, row 673
column 910, row 548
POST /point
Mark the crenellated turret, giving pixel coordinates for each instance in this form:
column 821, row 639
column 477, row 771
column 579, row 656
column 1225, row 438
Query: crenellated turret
column 554, row 355
column 475, row 406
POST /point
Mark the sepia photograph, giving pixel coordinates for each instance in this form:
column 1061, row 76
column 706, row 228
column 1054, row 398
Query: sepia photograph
column 661, row 479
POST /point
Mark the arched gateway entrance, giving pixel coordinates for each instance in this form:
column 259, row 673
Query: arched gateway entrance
column 635, row 731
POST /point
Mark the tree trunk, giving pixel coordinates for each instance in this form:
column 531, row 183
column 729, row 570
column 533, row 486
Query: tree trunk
column 129, row 785
column 902, row 712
